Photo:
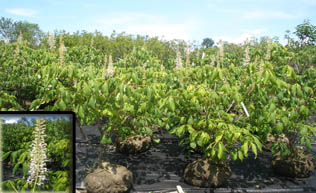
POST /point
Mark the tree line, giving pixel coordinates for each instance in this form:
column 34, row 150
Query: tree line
column 120, row 44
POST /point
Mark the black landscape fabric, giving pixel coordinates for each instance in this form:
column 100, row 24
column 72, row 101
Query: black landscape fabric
column 161, row 168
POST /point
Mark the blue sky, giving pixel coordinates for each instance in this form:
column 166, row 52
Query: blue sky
column 230, row 20
column 14, row 118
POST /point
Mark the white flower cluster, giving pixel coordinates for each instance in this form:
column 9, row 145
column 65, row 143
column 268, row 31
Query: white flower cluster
column 178, row 61
column 51, row 41
column 19, row 40
column 268, row 55
column 203, row 55
column 247, row 57
column 110, row 70
column 37, row 170
column 187, row 60
column 61, row 50
column 105, row 61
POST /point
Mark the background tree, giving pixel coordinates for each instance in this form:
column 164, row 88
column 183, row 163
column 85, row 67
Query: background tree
column 7, row 27
column 207, row 42
column 30, row 32
column 10, row 30
column 306, row 33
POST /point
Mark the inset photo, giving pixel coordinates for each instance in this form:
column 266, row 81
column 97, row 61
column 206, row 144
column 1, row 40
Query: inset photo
column 36, row 151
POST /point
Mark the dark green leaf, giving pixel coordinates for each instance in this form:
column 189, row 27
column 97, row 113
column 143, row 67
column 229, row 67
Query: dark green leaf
column 25, row 169
column 6, row 155
column 15, row 169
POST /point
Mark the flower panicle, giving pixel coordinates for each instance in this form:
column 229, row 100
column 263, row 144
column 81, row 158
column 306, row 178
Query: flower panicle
column 37, row 170
column 110, row 69
column 178, row 61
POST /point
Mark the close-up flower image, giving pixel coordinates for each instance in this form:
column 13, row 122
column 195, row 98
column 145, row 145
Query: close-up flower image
column 36, row 152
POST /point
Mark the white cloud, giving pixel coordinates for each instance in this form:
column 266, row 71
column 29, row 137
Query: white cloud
column 146, row 24
column 254, row 31
column 246, row 34
column 265, row 14
column 21, row 12
column 128, row 18
column 12, row 120
column 165, row 31
column 310, row 2
column 259, row 14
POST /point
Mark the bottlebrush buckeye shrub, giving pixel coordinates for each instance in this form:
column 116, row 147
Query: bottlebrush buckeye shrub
column 201, row 118
column 281, row 103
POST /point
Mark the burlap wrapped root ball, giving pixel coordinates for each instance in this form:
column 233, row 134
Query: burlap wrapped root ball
column 202, row 173
column 301, row 166
column 109, row 178
column 133, row 144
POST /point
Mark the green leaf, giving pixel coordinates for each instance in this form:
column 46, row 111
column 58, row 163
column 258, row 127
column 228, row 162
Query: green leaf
column 62, row 105
column 234, row 155
column 303, row 131
column 193, row 145
column 35, row 104
column 25, row 169
column 16, row 167
column 220, row 151
column 218, row 138
column 156, row 140
column 6, row 155
column 149, row 93
column 308, row 143
column 240, row 155
column 213, row 152
column 200, row 142
column 86, row 90
column 148, row 131
column 258, row 143
column 22, row 157
column 244, row 148
column 220, row 75
column 302, row 140
column 285, row 121
column 14, row 156
column 92, row 102
column 308, row 90
column 81, row 112
column 106, row 112
column 171, row 104
column 180, row 131
column 204, row 137
column 105, row 140
column 182, row 120
column 190, row 121
column 279, row 127
column 65, row 163
column 254, row 149
column 173, row 131
column 105, row 88
column 63, row 73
